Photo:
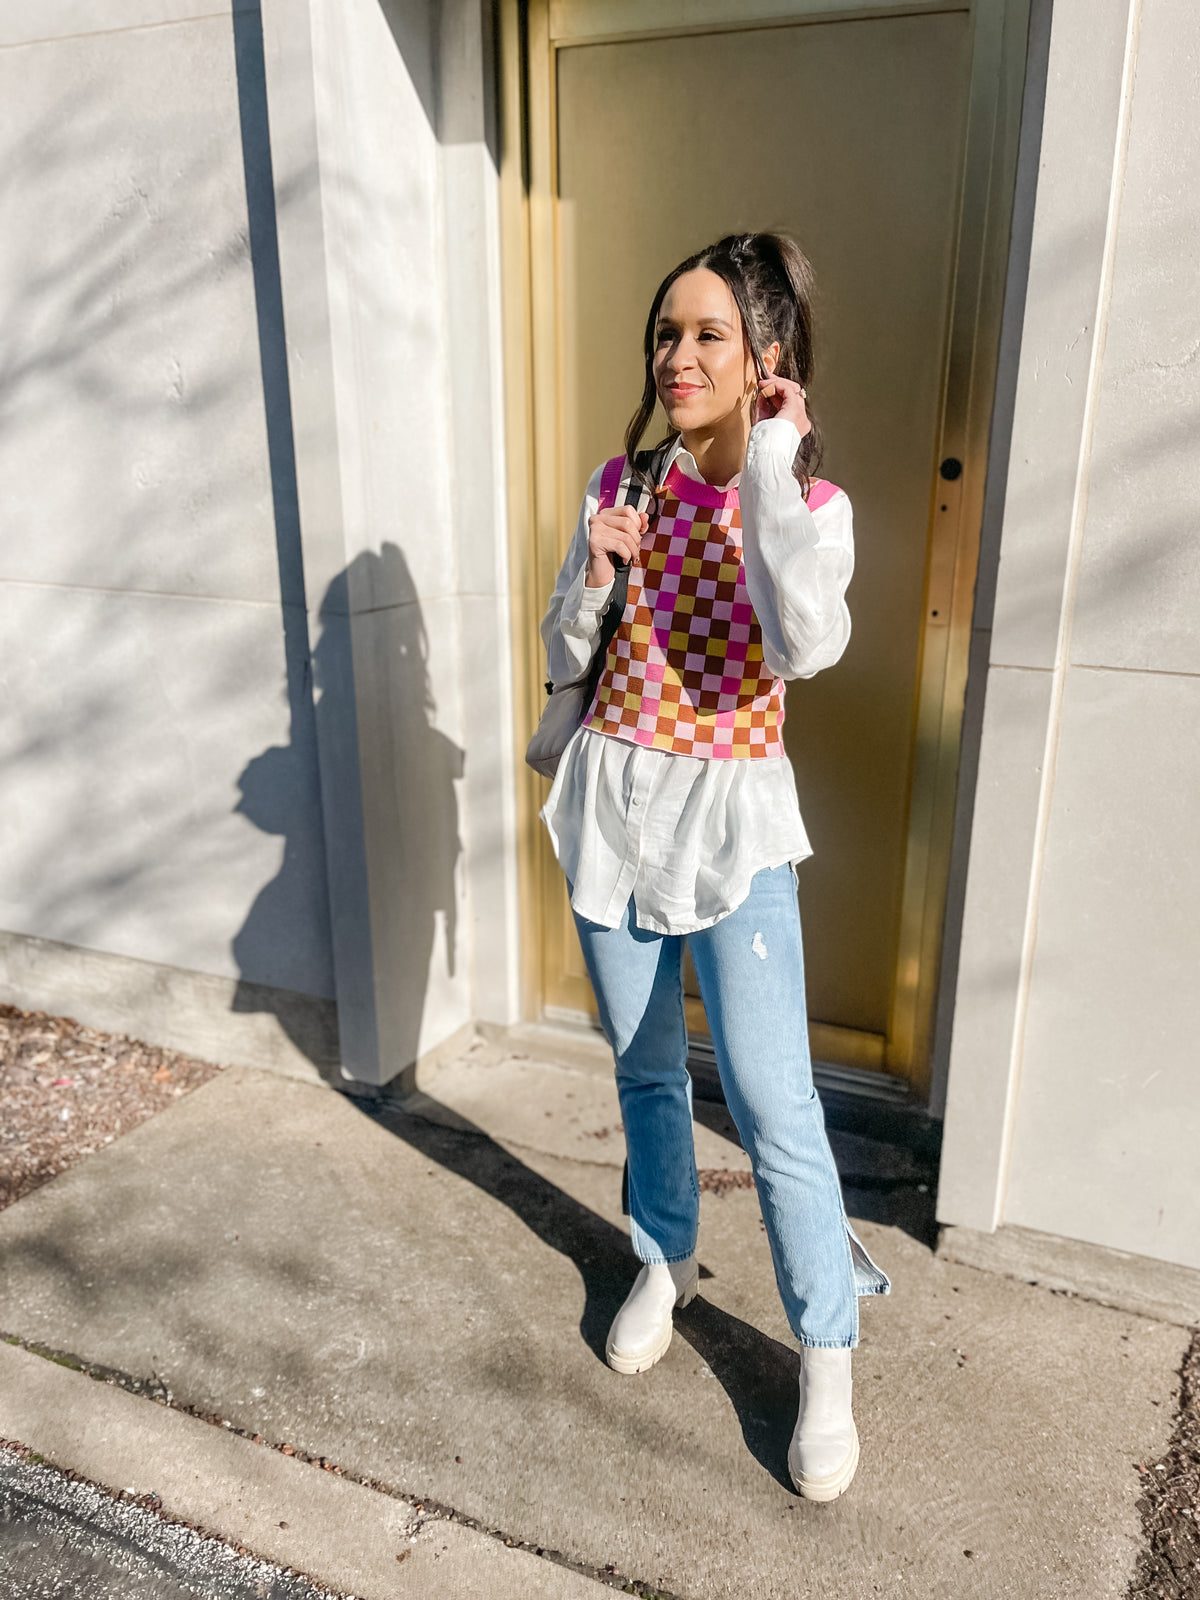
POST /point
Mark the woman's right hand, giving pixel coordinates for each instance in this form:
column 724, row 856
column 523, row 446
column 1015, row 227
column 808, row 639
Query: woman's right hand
column 617, row 530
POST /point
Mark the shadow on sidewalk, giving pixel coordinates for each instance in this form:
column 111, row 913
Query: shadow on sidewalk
column 757, row 1372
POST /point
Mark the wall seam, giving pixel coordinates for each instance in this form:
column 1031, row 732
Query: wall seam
column 1139, row 672
column 272, row 604
column 128, row 27
column 1079, row 507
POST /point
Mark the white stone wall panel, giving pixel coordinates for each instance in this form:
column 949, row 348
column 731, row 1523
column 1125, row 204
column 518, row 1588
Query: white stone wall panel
column 1139, row 588
column 1107, row 1129
column 154, row 805
column 132, row 433
column 161, row 798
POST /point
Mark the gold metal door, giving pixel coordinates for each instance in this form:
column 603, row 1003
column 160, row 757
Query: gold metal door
column 862, row 136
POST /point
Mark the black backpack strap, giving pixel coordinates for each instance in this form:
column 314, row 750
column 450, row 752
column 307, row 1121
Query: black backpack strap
column 638, row 495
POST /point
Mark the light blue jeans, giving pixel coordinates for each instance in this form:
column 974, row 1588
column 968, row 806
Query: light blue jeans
column 751, row 970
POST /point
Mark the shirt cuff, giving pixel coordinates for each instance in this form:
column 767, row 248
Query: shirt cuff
column 593, row 599
column 776, row 437
column 579, row 600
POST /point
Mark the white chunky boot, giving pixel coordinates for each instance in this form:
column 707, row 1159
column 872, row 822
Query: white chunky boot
column 642, row 1328
column 824, row 1451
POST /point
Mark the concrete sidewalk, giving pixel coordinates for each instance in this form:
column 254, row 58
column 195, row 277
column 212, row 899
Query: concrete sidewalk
column 420, row 1294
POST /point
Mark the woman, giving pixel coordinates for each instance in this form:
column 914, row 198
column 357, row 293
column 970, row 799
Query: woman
column 674, row 814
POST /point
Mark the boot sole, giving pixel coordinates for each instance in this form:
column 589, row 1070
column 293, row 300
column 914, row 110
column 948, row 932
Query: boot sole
column 644, row 1359
column 835, row 1484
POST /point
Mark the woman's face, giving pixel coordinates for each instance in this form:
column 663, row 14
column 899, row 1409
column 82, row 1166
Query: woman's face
column 702, row 370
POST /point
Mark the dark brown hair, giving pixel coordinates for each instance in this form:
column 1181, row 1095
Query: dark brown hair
column 771, row 282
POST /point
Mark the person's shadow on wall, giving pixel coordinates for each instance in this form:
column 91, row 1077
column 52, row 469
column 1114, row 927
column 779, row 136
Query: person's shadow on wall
column 411, row 770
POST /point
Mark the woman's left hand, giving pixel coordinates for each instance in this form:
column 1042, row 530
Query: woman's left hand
column 780, row 397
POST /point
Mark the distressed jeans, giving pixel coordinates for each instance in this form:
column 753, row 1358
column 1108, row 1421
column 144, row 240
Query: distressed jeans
column 751, row 970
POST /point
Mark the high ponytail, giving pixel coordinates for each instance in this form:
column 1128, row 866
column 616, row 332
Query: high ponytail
column 772, row 283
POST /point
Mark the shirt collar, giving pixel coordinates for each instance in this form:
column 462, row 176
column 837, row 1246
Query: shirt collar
column 677, row 456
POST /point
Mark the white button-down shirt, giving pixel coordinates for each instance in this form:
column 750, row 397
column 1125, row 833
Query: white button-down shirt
column 684, row 835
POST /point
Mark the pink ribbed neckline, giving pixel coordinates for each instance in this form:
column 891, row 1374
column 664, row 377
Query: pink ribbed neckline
column 690, row 491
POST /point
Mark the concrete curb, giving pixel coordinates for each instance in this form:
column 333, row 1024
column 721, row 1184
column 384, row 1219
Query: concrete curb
column 1160, row 1290
column 345, row 1536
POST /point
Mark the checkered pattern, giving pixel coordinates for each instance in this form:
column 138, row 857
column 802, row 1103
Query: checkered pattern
column 685, row 670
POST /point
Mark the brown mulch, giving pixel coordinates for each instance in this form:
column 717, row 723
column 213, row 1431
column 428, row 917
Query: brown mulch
column 1169, row 1567
column 66, row 1091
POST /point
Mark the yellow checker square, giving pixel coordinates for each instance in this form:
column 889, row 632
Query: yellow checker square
column 691, row 566
column 655, row 561
column 727, row 572
column 679, row 641
column 754, row 650
column 685, row 602
column 639, row 633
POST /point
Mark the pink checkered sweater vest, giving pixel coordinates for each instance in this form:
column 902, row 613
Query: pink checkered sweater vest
column 685, row 669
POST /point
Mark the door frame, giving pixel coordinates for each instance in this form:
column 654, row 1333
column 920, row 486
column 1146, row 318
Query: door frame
column 530, row 32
